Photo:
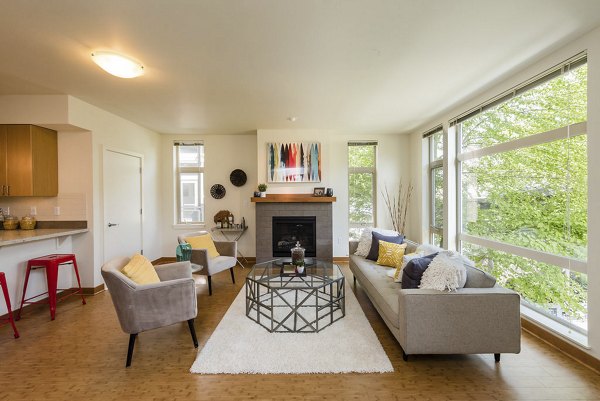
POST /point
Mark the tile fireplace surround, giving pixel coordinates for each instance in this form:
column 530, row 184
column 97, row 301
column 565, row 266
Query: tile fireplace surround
column 293, row 205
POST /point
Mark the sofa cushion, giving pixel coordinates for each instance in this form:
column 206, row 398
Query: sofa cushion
column 396, row 274
column 376, row 237
column 390, row 254
column 412, row 273
column 364, row 243
column 140, row 270
column 203, row 242
column 445, row 272
column 382, row 291
column 477, row 278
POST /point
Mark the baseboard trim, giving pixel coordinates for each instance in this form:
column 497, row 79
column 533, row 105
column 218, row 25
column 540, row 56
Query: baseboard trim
column 341, row 259
column 562, row 345
column 92, row 290
column 87, row 291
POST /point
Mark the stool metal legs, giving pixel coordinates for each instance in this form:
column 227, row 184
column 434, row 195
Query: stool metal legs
column 8, row 306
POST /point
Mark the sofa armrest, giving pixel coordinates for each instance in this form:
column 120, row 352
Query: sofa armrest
column 466, row 321
column 173, row 271
column 226, row 248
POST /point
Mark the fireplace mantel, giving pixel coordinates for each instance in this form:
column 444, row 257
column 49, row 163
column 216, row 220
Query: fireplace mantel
column 293, row 198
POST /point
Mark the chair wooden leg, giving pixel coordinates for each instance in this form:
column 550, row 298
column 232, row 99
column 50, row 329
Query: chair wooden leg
column 232, row 276
column 132, row 338
column 209, row 286
column 193, row 332
column 497, row 358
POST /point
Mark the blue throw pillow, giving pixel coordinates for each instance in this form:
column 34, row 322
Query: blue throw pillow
column 412, row 273
column 376, row 237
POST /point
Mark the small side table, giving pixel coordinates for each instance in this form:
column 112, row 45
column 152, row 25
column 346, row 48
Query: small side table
column 233, row 234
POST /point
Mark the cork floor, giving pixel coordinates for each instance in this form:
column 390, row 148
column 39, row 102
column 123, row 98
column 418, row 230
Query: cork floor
column 81, row 355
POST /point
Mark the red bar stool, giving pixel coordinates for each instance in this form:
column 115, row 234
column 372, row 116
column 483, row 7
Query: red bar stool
column 7, row 299
column 51, row 263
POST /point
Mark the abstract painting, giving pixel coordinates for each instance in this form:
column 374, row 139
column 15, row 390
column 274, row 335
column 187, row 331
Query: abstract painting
column 294, row 162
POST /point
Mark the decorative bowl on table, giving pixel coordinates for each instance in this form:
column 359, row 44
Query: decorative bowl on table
column 28, row 223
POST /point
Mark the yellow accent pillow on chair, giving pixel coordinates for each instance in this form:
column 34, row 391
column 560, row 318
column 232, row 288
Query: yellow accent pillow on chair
column 204, row 241
column 390, row 254
column 140, row 270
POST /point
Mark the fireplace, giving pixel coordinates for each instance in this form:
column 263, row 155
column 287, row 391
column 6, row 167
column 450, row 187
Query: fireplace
column 288, row 230
column 294, row 206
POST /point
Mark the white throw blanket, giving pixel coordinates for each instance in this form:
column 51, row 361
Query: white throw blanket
column 446, row 272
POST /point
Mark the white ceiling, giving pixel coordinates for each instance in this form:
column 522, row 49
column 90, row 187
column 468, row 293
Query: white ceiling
column 229, row 66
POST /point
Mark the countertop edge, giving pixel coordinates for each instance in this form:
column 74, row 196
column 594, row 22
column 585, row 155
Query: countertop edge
column 39, row 235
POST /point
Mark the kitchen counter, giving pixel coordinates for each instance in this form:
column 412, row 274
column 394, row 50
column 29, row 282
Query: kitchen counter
column 11, row 237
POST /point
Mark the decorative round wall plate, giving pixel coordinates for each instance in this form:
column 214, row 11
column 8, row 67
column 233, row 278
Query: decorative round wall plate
column 238, row 177
column 217, row 191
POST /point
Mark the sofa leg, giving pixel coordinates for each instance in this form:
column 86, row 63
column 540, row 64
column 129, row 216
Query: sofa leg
column 497, row 358
column 354, row 281
column 209, row 286
column 404, row 355
column 132, row 338
column 193, row 332
column 232, row 276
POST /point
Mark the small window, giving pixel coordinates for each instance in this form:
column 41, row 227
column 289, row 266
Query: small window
column 362, row 186
column 435, row 145
column 189, row 182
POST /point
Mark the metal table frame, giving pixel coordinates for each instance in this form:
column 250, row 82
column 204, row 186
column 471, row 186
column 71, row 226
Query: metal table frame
column 321, row 296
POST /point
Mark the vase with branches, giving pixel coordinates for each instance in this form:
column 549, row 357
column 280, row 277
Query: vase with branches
column 397, row 205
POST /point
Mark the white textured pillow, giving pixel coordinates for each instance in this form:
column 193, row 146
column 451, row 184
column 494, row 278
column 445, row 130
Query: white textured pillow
column 364, row 242
column 445, row 272
column 428, row 249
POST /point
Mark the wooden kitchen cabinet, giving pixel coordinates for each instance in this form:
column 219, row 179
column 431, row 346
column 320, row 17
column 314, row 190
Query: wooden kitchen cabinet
column 28, row 161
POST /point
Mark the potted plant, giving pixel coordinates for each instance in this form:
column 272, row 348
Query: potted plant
column 262, row 188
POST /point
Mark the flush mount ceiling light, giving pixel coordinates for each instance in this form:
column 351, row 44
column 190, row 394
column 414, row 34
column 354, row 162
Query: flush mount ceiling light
column 117, row 64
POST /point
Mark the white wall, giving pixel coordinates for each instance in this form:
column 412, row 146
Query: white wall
column 223, row 154
column 114, row 132
column 591, row 43
column 83, row 131
column 392, row 166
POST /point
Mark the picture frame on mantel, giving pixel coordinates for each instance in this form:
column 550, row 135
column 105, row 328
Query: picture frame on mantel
column 319, row 191
column 291, row 162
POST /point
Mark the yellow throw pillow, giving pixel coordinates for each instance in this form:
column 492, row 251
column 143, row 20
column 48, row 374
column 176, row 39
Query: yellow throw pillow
column 390, row 254
column 140, row 270
column 204, row 241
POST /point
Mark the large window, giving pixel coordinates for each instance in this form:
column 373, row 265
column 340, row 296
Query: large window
column 523, row 191
column 435, row 144
column 362, row 186
column 189, row 182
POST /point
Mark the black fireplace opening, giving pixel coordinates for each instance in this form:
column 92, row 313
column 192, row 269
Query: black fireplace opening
column 288, row 230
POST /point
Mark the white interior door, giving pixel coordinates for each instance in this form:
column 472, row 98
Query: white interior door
column 122, row 204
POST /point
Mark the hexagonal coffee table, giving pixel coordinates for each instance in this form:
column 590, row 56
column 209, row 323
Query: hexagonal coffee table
column 284, row 302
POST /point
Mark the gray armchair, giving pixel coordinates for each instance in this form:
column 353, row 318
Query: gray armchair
column 227, row 260
column 150, row 306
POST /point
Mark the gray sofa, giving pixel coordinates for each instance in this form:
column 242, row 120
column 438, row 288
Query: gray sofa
column 480, row 318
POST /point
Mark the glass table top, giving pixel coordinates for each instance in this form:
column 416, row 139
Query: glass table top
column 276, row 274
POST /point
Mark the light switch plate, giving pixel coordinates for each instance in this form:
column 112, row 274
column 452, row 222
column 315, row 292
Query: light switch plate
column 57, row 210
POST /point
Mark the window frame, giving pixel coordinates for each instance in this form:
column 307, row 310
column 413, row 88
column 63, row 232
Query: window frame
column 178, row 170
column 434, row 164
column 364, row 170
column 559, row 325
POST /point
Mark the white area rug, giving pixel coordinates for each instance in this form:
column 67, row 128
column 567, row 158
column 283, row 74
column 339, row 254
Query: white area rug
column 240, row 345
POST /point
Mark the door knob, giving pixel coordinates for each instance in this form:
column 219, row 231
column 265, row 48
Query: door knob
column 112, row 224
